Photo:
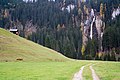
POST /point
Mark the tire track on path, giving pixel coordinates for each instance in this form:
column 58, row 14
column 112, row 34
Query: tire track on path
column 94, row 75
column 78, row 75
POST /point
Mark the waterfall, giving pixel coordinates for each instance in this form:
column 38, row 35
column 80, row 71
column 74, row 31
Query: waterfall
column 91, row 28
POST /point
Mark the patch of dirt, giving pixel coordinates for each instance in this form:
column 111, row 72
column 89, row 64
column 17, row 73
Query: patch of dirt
column 78, row 75
column 94, row 75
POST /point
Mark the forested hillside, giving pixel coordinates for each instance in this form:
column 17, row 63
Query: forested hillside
column 58, row 24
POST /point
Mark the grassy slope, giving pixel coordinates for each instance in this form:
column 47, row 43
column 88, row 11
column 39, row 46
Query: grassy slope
column 13, row 47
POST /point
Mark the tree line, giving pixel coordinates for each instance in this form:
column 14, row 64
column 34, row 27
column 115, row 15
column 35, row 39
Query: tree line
column 59, row 29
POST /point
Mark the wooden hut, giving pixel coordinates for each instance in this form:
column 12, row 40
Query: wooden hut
column 14, row 31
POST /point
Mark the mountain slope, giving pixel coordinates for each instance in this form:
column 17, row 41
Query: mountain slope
column 13, row 47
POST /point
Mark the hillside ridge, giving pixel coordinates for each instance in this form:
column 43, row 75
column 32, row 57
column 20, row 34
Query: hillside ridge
column 13, row 48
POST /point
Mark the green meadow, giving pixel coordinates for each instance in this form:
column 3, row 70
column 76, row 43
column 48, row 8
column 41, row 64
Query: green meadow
column 39, row 70
column 57, row 70
column 108, row 70
column 41, row 63
column 13, row 47
column 105, row 70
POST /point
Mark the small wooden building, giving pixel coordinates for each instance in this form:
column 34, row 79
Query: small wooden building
column 14, row 31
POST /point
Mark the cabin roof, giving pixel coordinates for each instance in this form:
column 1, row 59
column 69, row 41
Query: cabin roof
column 13, row 30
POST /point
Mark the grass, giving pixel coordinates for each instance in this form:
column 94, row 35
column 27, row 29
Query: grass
column 87, row 73
column 57, row 70
column 104, row 70
column 39, row 70
column 41, row 63
column 108, row 70
column 13, row 47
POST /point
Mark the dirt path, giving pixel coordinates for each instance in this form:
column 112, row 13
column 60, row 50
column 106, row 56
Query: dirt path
column 94, row 75
column 78, row 75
